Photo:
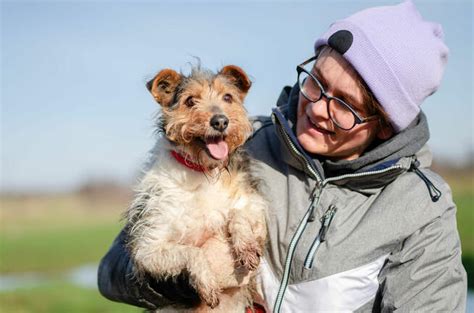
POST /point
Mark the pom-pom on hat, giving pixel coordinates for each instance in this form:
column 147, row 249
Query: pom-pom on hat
column 400, row 56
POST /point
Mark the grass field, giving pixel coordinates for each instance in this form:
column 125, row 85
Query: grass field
column 51, row 234
column 56, row 233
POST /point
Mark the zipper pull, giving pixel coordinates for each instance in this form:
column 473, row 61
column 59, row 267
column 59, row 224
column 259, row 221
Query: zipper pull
column 314, row 202
column 326, row 221
column 435, row 193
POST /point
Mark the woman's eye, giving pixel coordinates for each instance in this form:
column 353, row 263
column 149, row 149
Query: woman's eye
column 189, row 101
column 227, row 98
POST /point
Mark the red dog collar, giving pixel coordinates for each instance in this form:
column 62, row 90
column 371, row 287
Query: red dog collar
column 181, row 159
column 257, row 308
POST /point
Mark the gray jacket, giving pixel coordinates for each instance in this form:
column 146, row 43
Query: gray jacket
column 373, row 234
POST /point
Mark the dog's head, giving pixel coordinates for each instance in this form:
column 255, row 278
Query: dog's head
column 203, row 113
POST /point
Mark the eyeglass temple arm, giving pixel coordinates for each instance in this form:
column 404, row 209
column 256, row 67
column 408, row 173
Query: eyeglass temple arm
column 308, row 61
column 370, row 118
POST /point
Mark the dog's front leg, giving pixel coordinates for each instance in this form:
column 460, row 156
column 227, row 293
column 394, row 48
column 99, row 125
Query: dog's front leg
column 169, row 259
column 248, row 231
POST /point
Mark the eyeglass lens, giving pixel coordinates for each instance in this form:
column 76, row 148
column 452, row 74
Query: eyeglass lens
column 338, row 111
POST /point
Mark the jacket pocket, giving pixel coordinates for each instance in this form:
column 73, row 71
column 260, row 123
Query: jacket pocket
column 326, row 220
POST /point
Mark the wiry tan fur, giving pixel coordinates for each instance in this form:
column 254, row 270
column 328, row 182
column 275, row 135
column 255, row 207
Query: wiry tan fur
column 180, row 216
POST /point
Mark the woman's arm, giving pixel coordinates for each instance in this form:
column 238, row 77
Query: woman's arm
column 426, row 275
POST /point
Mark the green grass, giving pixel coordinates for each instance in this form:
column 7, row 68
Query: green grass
column 57, row 232
column 56, row 248
column 60, row 297
column 464, row 200
column 465, row 218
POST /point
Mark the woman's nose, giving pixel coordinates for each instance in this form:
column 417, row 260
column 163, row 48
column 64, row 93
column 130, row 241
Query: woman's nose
column 319, row 108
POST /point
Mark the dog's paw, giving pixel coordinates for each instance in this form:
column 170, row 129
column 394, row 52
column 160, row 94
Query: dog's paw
column 210, row 296
column 208, row 289
column 248, row 255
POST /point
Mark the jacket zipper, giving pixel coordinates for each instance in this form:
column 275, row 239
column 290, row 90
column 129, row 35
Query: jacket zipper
column 291, row 249
column 295, row 151
column 309, row 216
column 325, row 223
column 394, row 167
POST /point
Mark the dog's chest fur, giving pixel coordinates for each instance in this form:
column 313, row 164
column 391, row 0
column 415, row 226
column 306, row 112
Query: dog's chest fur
column 186, row 206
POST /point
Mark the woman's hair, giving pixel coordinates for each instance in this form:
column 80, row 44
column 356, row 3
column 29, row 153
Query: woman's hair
column 372, row 105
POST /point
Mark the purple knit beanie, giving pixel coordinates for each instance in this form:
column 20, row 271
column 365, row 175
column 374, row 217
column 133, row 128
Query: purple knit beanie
column 400, row 56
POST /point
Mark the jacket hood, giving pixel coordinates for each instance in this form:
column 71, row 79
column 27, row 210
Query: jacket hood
column 380, row 155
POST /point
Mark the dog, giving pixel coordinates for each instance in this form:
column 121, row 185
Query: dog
column 199, row 196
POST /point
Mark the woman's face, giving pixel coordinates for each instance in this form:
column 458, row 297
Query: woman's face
column 314, row 128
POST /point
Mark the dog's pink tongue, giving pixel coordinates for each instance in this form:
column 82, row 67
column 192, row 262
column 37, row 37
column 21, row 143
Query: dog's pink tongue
column 218, row 149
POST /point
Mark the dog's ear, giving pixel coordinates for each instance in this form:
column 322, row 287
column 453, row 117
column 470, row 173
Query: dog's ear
column 238, row 77
column 163, row 86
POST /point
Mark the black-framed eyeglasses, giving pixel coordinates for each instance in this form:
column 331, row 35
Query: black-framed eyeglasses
column 341, row 113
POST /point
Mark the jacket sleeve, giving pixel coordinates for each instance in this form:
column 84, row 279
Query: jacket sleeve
column 426, row 275
column 116, row 282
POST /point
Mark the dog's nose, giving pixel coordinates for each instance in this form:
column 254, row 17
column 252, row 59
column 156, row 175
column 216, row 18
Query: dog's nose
column 219, row 122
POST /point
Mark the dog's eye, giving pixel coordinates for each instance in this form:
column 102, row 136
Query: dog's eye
column 189, row 101
column 227, row 98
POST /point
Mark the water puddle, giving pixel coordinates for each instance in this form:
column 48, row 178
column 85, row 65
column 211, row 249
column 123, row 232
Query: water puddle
column 84, row 276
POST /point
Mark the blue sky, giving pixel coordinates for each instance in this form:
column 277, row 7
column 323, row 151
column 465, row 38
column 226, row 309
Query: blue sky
column 73, row 101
